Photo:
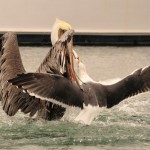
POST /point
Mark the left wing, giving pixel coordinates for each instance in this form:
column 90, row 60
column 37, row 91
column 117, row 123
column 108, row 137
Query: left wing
column 50, row 87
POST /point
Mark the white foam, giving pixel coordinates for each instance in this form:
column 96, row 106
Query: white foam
column 71, row 113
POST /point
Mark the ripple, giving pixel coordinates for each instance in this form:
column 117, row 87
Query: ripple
column 125, row 126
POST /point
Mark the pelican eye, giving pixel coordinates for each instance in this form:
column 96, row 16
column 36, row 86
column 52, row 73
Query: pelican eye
column 61, row 32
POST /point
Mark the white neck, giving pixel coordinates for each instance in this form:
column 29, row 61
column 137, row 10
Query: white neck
column 83, row 76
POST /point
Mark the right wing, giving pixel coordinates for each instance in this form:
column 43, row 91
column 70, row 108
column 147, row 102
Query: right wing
column 135, row 83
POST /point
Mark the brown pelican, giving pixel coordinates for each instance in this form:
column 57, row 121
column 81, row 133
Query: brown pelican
column 14, row 99
column 93, row 95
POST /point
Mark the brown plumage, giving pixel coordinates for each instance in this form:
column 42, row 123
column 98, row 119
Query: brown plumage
column 14, row 99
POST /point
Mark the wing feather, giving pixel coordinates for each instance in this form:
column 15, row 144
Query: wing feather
column 10, row 65
column 58, row 88
column 136, row 83
column 14, row 99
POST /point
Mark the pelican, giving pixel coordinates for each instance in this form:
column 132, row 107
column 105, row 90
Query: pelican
column 60, row 90
column 14, row 99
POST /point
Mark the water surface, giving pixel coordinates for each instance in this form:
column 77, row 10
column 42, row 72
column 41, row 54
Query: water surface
column 125, row 126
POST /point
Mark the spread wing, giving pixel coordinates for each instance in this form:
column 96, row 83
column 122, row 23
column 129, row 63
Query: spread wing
column 56, row 61
column 50, row 87
column 10, row 65
column 137, row 82
column 14, row 99
column 57, row 58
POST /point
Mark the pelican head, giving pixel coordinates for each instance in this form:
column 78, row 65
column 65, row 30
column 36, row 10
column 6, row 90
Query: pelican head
column 58, row 29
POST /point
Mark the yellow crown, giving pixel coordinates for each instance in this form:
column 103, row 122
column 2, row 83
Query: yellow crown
column 64, row 25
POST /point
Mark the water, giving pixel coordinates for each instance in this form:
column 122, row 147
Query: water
column 125, row 126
